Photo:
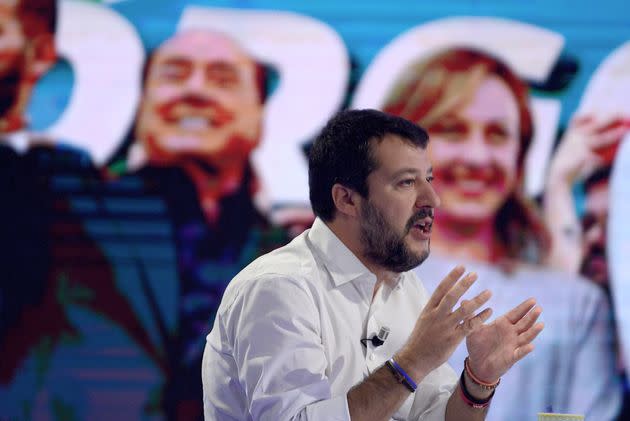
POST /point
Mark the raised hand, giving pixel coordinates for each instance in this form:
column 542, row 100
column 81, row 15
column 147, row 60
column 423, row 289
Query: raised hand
column 583, row 147
column 587, row 145
column 497, row 346
column 439, row 329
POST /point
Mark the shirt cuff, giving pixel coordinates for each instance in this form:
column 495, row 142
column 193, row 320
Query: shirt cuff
column 335, row 409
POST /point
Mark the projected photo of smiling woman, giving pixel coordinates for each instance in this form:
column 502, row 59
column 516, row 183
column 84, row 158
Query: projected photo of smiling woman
column 476, row 110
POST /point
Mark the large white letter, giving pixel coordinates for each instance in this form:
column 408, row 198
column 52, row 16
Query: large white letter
column 106, row 56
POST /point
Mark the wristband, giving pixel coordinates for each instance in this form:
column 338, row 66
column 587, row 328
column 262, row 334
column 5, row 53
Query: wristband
column 475, row 380
column 470, row 399
column 401, row 375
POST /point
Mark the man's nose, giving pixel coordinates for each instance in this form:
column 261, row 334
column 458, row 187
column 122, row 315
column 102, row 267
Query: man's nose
column 427, row 196
column 196, row 82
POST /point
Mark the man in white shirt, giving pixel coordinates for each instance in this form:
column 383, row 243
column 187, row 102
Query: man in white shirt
column 287, row 339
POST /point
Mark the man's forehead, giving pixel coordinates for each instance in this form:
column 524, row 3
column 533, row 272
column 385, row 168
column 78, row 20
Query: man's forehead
column 394, row 153
column 204, row 46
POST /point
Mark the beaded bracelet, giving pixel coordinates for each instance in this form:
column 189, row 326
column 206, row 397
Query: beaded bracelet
column 475, row 380
column 470, row 399
column 401, row 375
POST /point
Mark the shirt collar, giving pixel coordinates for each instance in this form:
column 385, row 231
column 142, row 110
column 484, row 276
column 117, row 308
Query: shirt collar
column 344, row 266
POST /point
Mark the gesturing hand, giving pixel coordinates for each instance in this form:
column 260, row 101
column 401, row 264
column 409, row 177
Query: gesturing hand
column 439, row 329
column 495, row 347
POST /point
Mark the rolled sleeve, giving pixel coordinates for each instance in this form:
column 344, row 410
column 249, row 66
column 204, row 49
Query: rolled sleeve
column 335, row 409
column 433, row 394
column 281, row 361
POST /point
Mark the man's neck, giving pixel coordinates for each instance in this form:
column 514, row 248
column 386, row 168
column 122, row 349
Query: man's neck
column 213, row 186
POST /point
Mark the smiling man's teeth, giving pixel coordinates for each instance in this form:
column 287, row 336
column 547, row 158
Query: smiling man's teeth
column 195, row 123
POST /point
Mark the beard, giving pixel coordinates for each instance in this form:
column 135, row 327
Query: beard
column 384, row 246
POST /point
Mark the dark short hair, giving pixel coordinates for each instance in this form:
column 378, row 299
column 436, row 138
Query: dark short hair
column 37, row 17
column 343, row 153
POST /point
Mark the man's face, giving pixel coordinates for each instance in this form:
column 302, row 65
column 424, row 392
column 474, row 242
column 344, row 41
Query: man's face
column 396, row 218
column 594, row 265
column 200, row 100
column 474, row 150
column 12, row 46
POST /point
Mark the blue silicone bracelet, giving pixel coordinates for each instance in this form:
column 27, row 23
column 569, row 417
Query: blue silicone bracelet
column 404, row 374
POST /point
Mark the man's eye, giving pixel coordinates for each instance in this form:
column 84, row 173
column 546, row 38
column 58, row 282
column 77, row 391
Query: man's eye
column 172, row 72
column 408, row 182
column 430, row 179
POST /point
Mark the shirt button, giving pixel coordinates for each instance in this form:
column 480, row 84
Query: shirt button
column 372, row 357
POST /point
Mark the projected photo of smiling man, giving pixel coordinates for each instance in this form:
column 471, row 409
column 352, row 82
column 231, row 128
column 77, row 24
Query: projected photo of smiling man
column 202, row 100
column 202, row 110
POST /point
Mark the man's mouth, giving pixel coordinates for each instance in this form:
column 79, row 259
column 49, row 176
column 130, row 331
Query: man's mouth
column 193, row 113
column 194, row 123
column 424, row 225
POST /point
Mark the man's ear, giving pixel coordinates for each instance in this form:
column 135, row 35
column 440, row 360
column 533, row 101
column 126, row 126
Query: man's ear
column 346, row 200
column 41, row 54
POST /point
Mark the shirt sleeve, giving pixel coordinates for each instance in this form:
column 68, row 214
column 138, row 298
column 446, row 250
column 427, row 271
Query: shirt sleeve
column 596, row 388
column 433, row 393
column 274, row 326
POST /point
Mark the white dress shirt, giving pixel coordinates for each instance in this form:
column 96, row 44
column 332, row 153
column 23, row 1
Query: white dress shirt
column 572, row 367
column 286, row 342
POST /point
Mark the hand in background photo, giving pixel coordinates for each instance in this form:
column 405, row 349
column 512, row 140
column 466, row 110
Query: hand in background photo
column 585, row 154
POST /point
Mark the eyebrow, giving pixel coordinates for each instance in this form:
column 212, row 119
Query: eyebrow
column 176, row 61
column 222, row 66
column 410, row 170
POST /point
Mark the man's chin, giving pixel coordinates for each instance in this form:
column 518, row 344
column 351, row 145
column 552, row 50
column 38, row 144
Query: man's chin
column 415, row 261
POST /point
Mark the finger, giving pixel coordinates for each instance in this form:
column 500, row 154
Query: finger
column 473, row 323
column 445, row 286
column 609, row 121
column 607, row 138
column 581, row 120
column 592, row 162
column 529, row 335
column 468, row 307
column 520, row 310
column 522, row 351
column 528, row 320
column 452, row 297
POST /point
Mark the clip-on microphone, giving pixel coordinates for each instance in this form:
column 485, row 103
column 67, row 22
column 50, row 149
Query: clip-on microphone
column 377, row 340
